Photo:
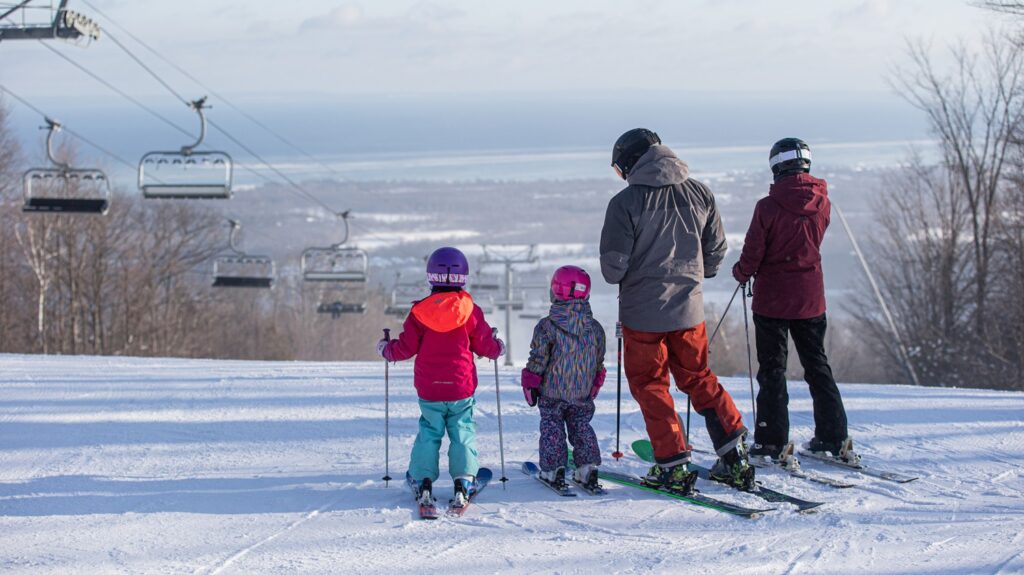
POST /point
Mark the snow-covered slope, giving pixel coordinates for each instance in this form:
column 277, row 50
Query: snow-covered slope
column 113, row 465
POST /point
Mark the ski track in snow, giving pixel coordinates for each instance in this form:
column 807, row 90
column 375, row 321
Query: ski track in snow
column 125, row 465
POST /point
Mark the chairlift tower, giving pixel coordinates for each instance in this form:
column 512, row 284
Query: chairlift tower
column 505, row 257
column 60, row 23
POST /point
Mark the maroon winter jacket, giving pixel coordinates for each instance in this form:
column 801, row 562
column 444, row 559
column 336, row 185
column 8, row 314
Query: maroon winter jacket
column 782, row 249
column 443, row 331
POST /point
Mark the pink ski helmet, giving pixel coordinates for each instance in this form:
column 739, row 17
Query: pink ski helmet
column 447, row 266
column 570, row 282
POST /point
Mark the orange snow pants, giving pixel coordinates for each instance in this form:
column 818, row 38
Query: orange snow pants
column 650, row 357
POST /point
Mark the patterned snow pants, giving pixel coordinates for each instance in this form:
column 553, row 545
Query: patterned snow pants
column 558, row 417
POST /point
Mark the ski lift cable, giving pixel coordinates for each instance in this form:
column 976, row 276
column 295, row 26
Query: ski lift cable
column 182, row 130
column 65, row 129
column 223, row 131
column 117, row 90
column 209, row 90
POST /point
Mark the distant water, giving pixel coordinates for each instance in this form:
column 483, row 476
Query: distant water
column 510, row 137
column 520, row 165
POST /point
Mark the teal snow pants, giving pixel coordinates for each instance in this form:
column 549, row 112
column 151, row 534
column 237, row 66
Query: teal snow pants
column 435, row 418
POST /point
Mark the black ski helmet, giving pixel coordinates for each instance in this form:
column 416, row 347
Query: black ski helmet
column 790, row 156
column 630, row 146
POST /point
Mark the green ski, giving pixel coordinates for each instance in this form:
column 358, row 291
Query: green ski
column 645, row 451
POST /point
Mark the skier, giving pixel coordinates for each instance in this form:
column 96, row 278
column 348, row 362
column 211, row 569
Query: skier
column 782, row 253
column 662, row 236
column 564, row 374
column 443, row 331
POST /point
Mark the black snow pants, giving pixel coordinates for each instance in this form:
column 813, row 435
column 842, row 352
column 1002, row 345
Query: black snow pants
column 773, row 399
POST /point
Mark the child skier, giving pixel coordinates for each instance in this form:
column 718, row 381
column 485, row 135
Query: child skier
column 564, row 374
column 782, row 253
column 443, row 331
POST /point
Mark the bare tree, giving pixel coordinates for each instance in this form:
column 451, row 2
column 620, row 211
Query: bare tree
column 940, row 250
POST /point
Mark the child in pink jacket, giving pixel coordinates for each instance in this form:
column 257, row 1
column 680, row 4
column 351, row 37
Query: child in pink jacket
column 444, row 331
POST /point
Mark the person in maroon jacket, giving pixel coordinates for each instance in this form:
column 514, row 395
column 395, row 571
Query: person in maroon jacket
column 782, row 253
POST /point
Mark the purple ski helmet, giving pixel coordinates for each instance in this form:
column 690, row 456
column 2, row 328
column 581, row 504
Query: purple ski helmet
column 447, row 267
column 570, row 282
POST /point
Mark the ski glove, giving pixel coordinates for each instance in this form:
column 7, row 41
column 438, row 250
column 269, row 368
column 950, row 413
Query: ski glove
column 382, row 349
column 598, row 382
column 531, row 387
column 501, row 347
column 738, row 275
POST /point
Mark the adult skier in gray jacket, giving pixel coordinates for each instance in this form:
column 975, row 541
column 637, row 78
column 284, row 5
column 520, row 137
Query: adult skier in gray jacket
column 662, row 236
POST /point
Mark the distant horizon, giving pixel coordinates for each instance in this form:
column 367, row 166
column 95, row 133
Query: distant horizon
column 356, row 126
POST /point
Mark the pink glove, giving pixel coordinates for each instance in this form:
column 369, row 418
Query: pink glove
column 531, row 387
column 598, row 382
column 501, row 347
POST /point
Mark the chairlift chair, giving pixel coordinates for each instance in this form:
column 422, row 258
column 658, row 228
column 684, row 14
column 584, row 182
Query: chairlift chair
column 187, row 173
column 403, row 294
column 241, row 270
column 336, row 263
column 339, row 308
column 63, row 189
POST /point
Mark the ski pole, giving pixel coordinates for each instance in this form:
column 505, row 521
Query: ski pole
column 617, row 454
column 750, row 366
column 497, row 394
column 387, row 418
column 711, row 341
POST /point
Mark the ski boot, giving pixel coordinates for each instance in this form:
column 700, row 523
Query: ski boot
column 784, row 457
column 462, row 486
column 841, row 450
column 425, row 496
column 732, row 467
column 677, row 478
column 555, row 478
column 586, row 477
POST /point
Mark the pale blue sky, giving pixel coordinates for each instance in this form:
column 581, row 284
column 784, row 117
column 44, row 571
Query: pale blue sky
column 471, row 46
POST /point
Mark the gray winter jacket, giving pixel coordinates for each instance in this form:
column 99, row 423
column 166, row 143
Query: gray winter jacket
column 662, row 236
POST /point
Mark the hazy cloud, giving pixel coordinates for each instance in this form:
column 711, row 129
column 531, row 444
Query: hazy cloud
column 344, row 16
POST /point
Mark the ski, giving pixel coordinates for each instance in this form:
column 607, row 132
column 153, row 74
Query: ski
column 696, row 498
column 873, row 472
column 533, row 471
column 483, row 477
column 802, row 474
column 426, row 511
column 788, row 463
column 645, row 451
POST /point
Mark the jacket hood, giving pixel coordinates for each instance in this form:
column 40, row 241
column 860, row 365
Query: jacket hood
column 572, row 316
column 444, row 311
column 801, row 194
column 658, row 167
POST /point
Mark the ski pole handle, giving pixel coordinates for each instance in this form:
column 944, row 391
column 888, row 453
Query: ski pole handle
column 387, row 334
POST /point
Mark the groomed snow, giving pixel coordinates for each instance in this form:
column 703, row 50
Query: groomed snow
column 121, row 465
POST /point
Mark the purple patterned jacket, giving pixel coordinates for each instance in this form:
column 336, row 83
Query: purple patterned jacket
column 567, row 351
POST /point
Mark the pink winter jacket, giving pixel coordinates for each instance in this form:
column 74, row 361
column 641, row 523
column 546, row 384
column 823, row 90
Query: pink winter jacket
column 443, row 331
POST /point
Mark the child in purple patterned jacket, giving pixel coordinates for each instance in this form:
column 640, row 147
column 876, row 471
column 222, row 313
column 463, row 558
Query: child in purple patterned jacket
column 564, row 374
